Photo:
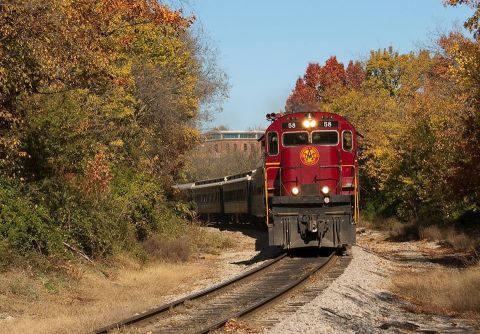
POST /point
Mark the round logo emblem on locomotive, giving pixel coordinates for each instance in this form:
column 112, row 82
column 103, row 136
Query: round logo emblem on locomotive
column 309, row 155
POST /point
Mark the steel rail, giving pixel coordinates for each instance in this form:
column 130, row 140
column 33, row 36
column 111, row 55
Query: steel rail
column 268, row 299
column 166, row 307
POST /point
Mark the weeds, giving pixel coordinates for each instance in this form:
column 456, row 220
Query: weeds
column 207, row 241
column 450, row 237
column 432, row 233
column 195, row 240
column 460, row 241
column 177, row 250
column 442, row 290
column 405, row 231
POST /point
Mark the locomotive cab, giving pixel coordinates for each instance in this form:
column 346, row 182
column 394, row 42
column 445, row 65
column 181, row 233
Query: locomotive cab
column 311, row 180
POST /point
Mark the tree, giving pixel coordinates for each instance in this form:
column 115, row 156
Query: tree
column 99, row 100
column 383, row 71
column 355, row 75
column 462, row 65
column 302, row 94
column 319, row 84
column 56, row 46
column 473, row 23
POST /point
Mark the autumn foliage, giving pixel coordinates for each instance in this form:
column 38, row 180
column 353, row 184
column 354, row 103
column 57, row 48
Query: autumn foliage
column 419, row 114
column 99, row 100
column 323, row 83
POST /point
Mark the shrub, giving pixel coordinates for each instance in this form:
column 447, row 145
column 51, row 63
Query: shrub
column 402, row 231
column 209, row 242
column 25, row 226
column 177, row 250
column 456, row 240
column 432, row 233
column 5, row 256
column 38, row 217
column 86, row 221
column 459, row 241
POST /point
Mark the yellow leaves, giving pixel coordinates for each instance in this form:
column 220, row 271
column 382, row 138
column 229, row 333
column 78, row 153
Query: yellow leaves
column 117, row 143
column 190, row 135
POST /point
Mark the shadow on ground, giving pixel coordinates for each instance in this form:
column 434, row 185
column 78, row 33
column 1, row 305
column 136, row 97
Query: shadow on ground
column 259, row 233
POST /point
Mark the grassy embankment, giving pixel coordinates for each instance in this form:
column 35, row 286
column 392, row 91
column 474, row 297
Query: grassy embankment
column 76, row 296
column 452, row 291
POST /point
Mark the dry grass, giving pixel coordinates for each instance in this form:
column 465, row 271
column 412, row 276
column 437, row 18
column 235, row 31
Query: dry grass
column 93, row 301
column 79, row 298
column 177, row 250
column 449, row 291
column 432, row 233
column 208, row 241
column 458, row 241
column 197, row 240
column 398, row 231
column 401, row 231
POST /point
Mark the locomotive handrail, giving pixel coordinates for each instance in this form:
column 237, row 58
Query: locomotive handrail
column 356, row 202
column 266, row 191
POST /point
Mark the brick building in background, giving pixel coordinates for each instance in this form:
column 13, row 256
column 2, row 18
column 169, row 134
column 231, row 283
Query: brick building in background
column 219, row 142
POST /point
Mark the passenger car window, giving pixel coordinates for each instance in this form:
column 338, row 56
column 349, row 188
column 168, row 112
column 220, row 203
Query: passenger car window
column 272, row 143
column 295, row 138
column 347, row 140
column 325, row 137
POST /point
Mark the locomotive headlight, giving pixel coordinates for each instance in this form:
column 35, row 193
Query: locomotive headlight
column 295, row 191
column 309, row 123
column 325, row 190
column 326, row 199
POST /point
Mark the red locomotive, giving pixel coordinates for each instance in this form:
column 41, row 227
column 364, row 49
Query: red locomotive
column 311, row 180
column 306, row 191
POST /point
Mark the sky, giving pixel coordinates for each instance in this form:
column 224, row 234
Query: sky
column 265, row 45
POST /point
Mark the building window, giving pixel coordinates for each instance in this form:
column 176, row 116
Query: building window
column 227, row 146
column 234, row 147
column 216, row 148
column 245, row 147
column 252, row 147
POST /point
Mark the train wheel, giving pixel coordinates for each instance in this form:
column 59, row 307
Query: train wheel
column 346, row 250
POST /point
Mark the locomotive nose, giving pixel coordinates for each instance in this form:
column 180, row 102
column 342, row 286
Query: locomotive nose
column 311, row 169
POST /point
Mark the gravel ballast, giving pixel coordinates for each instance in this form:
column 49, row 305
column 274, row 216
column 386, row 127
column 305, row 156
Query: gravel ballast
column 359, row 302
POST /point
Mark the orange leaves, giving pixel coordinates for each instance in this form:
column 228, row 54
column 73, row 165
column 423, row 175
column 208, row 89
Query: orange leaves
column 303, row 94
column 313, row 75
column 150, row 10
column 98, row 174
column 473, row 23
column 332, row 74
column 355, row 75
column 321, row 84
column 72, row 44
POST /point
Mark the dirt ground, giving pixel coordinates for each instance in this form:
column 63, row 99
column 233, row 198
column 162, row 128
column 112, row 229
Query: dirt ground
column 58, row 305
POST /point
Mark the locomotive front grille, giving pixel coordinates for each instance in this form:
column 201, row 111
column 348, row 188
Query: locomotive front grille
column 310, row 189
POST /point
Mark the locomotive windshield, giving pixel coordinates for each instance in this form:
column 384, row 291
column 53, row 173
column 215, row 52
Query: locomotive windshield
column 295, row 138
column 325, row 137
column 347, row 140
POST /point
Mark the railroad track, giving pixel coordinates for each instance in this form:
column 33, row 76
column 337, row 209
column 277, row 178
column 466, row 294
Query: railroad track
column 212, row 308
